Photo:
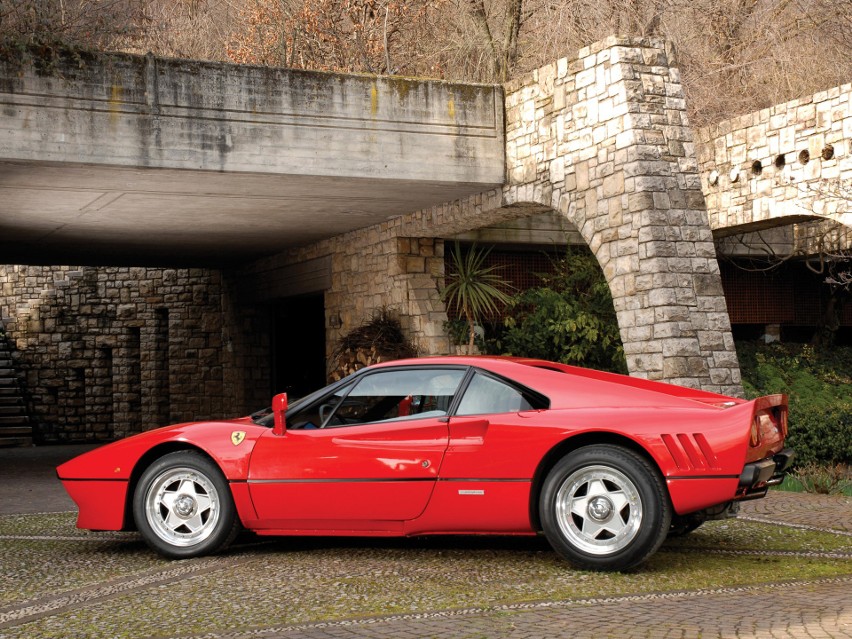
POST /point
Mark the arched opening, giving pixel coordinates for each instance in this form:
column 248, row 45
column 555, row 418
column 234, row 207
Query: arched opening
column 561, row 306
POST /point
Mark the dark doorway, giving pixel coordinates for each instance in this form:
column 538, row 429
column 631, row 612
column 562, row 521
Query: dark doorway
column 298, row 345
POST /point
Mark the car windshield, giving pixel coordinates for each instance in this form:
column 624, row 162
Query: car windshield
column 381, row 396
column 264, row 417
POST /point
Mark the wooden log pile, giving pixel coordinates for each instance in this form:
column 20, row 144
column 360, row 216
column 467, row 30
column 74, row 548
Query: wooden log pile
column 380, row 339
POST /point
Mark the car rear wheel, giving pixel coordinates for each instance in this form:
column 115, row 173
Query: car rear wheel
column 604, row 507
column 183, row 508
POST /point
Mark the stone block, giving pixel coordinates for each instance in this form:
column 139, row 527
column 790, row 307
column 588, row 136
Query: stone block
column 613, row 184
column 680, row 347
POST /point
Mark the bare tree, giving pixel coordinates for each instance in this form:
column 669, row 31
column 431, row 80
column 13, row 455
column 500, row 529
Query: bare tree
column 195, row 29
column 501, row 40
column 735, row 56
column 90, row 24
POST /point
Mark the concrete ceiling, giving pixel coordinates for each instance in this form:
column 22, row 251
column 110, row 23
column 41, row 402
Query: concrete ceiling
column 60, row 213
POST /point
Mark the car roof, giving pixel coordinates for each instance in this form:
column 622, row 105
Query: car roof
column 584, row 386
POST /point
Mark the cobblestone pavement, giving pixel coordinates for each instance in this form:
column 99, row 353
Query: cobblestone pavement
column 116, row 576
column 830, row 512
column 778, row 610
column 822, row 609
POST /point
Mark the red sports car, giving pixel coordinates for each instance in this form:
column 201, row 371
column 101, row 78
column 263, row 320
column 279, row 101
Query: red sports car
column 605, row 465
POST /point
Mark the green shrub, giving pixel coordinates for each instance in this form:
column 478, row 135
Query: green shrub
column 821, row 433
column 819, row 387
column 824, row 479
column 569, row 319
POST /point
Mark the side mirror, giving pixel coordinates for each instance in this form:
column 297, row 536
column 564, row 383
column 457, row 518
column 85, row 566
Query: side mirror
column 279, row 412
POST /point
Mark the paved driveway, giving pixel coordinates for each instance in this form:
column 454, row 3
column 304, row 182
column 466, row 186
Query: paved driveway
column 60, row 582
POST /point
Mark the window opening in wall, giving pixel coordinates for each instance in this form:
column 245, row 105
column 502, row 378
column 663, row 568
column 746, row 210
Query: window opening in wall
column 134, row 378
column 804, row 157
column 780, row 161
column 298, row 344
column 99, row 392
column 756, row 167
column 828, row 152
column 161, row 390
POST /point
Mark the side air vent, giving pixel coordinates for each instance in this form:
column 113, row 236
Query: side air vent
column 690, row 451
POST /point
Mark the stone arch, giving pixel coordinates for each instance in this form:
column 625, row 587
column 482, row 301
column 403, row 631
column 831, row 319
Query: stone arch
column 603, row 139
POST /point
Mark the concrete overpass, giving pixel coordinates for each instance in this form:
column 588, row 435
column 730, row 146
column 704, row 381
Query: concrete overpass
column 129, row 160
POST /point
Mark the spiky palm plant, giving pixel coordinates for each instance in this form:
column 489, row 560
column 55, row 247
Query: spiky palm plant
column 472, row 288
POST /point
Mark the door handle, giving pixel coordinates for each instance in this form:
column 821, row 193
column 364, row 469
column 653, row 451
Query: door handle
column 468, row 432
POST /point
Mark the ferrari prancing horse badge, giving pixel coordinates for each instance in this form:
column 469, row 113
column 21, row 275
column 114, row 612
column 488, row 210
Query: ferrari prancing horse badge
column 237, row 437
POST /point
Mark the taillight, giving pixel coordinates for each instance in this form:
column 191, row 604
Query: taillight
column 754, row 435
column 769, row 421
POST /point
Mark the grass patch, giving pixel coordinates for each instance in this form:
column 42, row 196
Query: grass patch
column 736, row 534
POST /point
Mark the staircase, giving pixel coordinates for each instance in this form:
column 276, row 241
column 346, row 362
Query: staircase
column 15, row 428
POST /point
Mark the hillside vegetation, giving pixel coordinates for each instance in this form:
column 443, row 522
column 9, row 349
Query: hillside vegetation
column 735, row 56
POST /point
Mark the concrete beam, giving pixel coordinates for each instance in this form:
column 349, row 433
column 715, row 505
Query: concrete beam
column 120, row 158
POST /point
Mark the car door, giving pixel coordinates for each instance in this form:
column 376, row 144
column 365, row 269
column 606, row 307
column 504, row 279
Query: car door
column 368, row 452
column 486, row 475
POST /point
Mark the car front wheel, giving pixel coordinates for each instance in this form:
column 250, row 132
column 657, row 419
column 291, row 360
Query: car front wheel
column 604, row 507
column 183, row 508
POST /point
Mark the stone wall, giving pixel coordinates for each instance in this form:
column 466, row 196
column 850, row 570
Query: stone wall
column 779, row 165
column 398, row 264
column 107, row 352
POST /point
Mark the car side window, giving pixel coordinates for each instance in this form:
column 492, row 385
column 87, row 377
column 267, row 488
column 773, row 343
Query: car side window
column 396, row 395
column 486, row 395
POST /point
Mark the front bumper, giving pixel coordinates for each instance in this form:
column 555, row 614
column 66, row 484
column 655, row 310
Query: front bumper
column 758, row 476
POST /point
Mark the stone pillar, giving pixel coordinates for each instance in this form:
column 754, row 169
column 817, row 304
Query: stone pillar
column 603, row 138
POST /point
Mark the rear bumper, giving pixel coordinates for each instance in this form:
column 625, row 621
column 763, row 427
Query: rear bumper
column 758, row 476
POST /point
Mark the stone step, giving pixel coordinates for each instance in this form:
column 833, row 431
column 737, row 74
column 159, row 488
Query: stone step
column 11, row 411
column 8, row 382
column 13, row 420
column 9, row 391
column 16, row 431
column 15, row 442
column 11, row 399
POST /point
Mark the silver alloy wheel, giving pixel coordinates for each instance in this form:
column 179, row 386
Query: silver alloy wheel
column 182, row 506
column 598, row 509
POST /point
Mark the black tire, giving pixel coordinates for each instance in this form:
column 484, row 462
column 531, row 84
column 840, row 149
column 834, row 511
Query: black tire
column 183, row 506
column 605, row 507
